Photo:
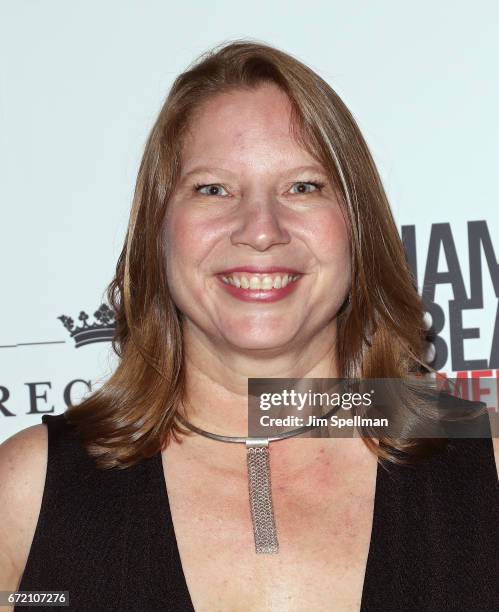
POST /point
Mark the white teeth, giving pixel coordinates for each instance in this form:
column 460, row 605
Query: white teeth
column 260, row 282
column 267, row 282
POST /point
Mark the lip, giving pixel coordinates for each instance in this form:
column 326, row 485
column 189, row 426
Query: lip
column 259, row 295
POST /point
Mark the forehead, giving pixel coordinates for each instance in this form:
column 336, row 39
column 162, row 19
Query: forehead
column 242, row 123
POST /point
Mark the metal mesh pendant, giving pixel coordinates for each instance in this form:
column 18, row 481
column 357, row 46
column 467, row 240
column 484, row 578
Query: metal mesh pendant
column 260, row 496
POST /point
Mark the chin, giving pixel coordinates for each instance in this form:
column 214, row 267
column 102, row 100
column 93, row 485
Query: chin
column 262, row 340
column 264, row 330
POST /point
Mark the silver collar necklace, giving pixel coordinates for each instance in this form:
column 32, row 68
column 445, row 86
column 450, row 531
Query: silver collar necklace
column 260, row 490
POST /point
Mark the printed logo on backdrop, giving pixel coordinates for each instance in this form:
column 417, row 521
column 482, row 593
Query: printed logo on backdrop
column 36, row 394
column 101, row 330
column 450, row 355
column 447, row 331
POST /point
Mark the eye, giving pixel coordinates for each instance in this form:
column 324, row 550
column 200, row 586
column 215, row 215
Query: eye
column 211, row 190
column 304, row 187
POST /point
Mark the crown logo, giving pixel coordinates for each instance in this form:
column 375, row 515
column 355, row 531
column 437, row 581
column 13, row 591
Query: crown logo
column 102, row 330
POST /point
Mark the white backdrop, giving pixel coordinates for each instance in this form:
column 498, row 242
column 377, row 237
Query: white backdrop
column 82, row 82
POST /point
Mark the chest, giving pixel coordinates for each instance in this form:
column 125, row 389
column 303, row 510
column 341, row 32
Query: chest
column 324, row 529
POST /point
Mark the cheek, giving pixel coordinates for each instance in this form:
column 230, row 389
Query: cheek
column 182, row 253
column 330, row 240
column 188, row 239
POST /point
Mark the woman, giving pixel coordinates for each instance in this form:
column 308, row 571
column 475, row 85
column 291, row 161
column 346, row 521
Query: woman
column 260, row 244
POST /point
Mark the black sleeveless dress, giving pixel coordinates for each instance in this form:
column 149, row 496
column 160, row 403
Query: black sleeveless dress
column 107, row 537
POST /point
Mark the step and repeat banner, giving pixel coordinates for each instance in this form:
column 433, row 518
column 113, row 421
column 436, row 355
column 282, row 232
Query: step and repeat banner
column 82, row 83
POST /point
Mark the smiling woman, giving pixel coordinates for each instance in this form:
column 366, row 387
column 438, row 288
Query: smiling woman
column 260, row 245
column 262, row 223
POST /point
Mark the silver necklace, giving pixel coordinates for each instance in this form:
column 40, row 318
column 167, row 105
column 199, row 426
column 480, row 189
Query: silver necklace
column 259, row 482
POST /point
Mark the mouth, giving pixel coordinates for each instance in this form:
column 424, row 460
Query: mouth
column 260, row 281
column 250, row 284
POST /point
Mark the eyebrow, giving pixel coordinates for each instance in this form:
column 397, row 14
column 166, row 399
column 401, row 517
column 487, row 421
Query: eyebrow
column 214, row 169
column 201, row 169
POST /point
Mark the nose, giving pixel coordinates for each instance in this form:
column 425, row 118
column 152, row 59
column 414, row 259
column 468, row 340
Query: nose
column 260, row 224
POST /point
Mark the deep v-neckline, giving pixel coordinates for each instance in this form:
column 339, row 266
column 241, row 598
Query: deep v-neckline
column 373, row 541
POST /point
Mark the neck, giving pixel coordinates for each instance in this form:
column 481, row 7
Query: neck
column 217, row 375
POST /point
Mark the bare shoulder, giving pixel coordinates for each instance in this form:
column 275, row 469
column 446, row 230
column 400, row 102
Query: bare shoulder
column 23, row 466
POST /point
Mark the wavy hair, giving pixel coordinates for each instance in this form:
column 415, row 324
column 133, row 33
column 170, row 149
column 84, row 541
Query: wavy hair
column 381, row 333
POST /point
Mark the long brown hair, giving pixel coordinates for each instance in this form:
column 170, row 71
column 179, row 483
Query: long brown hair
column 380, row 326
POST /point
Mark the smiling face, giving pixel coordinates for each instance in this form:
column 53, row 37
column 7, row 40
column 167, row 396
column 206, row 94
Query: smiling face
column 258, row 254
